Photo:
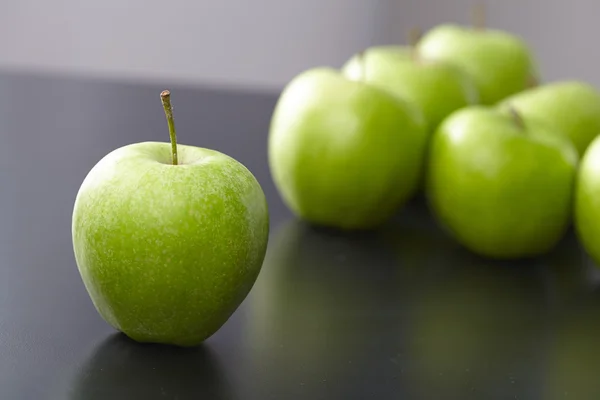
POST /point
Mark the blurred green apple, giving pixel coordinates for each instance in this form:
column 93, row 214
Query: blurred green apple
column 342, row 153
column 437, row 88
column 503, row 188
column 573, row 107
column 587, row 201
column 499, row 62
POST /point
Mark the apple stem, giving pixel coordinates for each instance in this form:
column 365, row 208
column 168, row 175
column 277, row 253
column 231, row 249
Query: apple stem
column 517, row 119
column 165, row 97
column 478, row 15
column 363, row 65
column 532, row 81
column 414, row 35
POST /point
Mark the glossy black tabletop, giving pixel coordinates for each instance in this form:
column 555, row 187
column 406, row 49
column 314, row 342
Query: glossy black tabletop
column 399, row 313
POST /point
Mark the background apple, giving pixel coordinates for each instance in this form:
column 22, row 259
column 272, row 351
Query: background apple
column 587, row 201
column 436, row 88
column 169, row 238
column 573, row 107
column 499, row 62
column 502, row 188
column 342, row 153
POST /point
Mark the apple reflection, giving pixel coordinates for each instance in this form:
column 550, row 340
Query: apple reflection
column 566, row 274
column 475, row 327
column 419, row 248
column 120, row 368
column 573, row 356
column 317, row 310
column 403, row 310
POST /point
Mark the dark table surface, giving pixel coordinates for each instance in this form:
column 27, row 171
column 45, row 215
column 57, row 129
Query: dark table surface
column 400, row 313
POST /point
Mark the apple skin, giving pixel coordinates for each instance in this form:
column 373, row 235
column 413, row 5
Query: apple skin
column 168, row 252
column 502, row 190
column 344, row 154
column 587, row 201
column 573, row 107
column 500, row 63
column 437, row 88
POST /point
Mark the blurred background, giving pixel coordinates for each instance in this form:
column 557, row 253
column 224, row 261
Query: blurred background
column 262, row 44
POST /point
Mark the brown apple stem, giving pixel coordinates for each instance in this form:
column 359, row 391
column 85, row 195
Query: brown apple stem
column 517, row 119
column 478, row 16
column 165, row 97
column 532, row 81
column 414, row 35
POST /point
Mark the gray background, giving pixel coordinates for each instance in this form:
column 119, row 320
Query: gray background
column 264, row 43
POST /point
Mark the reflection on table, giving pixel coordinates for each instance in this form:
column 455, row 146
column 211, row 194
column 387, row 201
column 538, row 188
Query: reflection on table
column 120, row 368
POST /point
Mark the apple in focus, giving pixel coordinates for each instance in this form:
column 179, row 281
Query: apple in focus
column 502, row 187
column 169, row 239
column 343, row 153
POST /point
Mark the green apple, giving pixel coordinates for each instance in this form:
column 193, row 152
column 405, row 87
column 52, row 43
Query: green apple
column 499, row 62
column 169, row 239
column 502, row 187
column 587, row 201
column 342, row 153
column 437, row 88
column 573, row 107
